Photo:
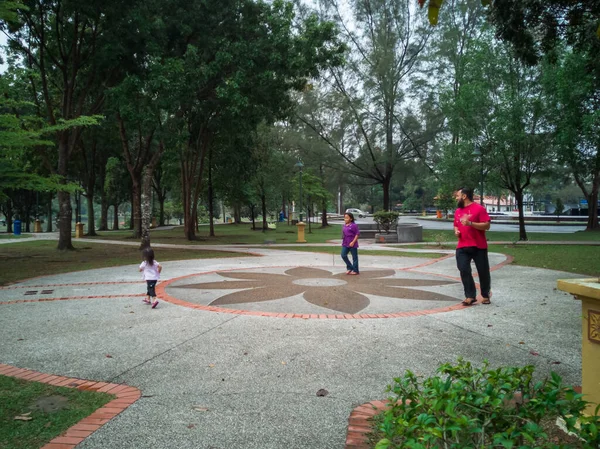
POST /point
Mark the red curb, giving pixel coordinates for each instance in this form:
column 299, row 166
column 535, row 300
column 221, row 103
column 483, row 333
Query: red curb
column 125, row 396
column 70, row 298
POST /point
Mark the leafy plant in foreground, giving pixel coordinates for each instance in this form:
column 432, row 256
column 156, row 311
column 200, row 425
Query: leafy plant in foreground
column 466, row 407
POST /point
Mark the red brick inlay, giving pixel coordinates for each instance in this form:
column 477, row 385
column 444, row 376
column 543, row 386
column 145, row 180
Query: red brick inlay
column 125, row 396
column 69, row 298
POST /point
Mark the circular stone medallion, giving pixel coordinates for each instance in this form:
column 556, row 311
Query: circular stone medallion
column 319, row 282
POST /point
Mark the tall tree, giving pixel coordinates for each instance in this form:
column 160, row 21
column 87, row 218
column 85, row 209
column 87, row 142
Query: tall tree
column 386, row 41
column 71, row 46
column 573, row 89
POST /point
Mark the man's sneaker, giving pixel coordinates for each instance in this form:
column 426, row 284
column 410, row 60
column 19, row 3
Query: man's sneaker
column 155, row 303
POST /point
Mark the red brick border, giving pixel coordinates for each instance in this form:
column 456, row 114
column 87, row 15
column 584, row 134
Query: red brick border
column 359, row 426
column 69, row 298
column 125, row 396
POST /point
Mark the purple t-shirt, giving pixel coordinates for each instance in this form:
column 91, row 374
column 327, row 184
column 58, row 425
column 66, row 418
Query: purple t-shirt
column 350, row 231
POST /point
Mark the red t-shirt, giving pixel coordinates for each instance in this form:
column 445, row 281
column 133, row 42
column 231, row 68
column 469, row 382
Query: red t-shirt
column 469, row 236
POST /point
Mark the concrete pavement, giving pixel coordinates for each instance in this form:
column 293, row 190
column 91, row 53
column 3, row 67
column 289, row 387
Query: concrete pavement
column 257, row 375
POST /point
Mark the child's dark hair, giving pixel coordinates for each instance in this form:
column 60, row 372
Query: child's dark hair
column 148, row 254
column 351, row 215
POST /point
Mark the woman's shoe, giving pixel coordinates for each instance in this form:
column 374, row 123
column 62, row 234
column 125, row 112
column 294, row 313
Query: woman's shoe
column 353, row 273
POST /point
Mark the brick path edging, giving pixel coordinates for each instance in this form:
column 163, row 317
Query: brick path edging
column 359, row 426
column 125, row 396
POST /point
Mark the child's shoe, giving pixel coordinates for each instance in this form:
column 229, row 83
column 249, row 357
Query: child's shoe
column 146, row 301
column 155, row 303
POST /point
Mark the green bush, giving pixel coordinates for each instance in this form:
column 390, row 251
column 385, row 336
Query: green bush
column 385, row 220
column 466, row 407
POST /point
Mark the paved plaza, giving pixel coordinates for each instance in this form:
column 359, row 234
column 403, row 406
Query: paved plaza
column 237, row 349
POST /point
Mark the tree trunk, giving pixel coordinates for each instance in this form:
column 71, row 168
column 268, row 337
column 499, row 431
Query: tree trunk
column 211, row 215
column 65, row 215
column 49, row 213
column 592, row 224
column 146, row 207
column 65, row 212
column 324, row 222
column 237, row 213
column 136, row 207
column 103, row 198
column 161, row 210
column 252, row 217
column 386, row 193
column 90, row 213
column 116, row 217
column 519, row 201
column 9, row 216
column 263, row 202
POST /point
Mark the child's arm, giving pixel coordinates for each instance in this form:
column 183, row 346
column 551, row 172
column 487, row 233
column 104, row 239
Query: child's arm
column 142, row 265
column 159, row 268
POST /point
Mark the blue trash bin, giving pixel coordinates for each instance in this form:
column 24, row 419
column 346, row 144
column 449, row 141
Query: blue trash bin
column 17, row 227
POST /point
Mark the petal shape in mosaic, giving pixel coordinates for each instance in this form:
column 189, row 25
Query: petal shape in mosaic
column 338, row 299
column 416, row 282
column 402, row 293
column 267, row 278
column 224, row 285
column 259, row 295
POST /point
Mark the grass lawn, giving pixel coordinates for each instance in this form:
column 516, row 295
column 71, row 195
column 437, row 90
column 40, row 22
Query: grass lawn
column 573, row 259
column 19, row 397
column 289, row 234
column 5, row 235
column 431, row 235
column 37, row 258
column 226, row 234
column 366, row 252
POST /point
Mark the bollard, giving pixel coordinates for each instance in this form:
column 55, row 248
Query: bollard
column 78, row 230
column 301, row 226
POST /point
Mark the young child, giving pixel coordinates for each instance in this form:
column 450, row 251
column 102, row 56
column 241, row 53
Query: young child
column 151, row 274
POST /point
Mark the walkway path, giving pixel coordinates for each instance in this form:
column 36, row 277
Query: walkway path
column 255, row 365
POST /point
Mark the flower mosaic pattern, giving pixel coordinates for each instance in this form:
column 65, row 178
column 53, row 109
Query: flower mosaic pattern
column 337, row 292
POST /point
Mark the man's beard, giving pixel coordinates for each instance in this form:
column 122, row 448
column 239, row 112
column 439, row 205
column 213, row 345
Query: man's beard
column 460, row 204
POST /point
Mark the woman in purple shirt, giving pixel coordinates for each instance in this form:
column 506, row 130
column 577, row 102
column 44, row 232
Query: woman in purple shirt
column 350, row 234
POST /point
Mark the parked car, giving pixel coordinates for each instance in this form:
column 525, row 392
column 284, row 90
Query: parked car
column 357, row 213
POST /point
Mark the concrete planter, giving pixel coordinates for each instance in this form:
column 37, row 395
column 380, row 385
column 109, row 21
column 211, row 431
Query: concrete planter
column 409, row 232
column 588, row 291
column 386, row 238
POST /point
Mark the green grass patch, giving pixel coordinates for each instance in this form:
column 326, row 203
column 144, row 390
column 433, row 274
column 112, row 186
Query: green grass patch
column 432, row 235
column 289, row 234
column 573, row 258
column 10, row 236
column 19, row 397
column 225, row 234
column 365, row 252
column 38, row 258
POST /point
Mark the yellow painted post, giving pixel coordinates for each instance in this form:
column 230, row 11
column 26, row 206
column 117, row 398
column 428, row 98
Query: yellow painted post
column 38, row 226
column 588, row 291
column 301, row 226
column 153, row 222
column 78, row 230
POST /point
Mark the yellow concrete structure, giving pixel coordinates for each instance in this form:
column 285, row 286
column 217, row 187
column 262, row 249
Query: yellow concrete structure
column 37, row 227
column 78, row 230
column 588, row 292
column 301, row 225
column 153, row 225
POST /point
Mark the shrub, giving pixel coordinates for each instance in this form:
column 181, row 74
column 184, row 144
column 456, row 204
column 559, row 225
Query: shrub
column 467, row 407
column 385, row 220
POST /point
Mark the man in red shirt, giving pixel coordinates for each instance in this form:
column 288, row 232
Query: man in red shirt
column 470, row 223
